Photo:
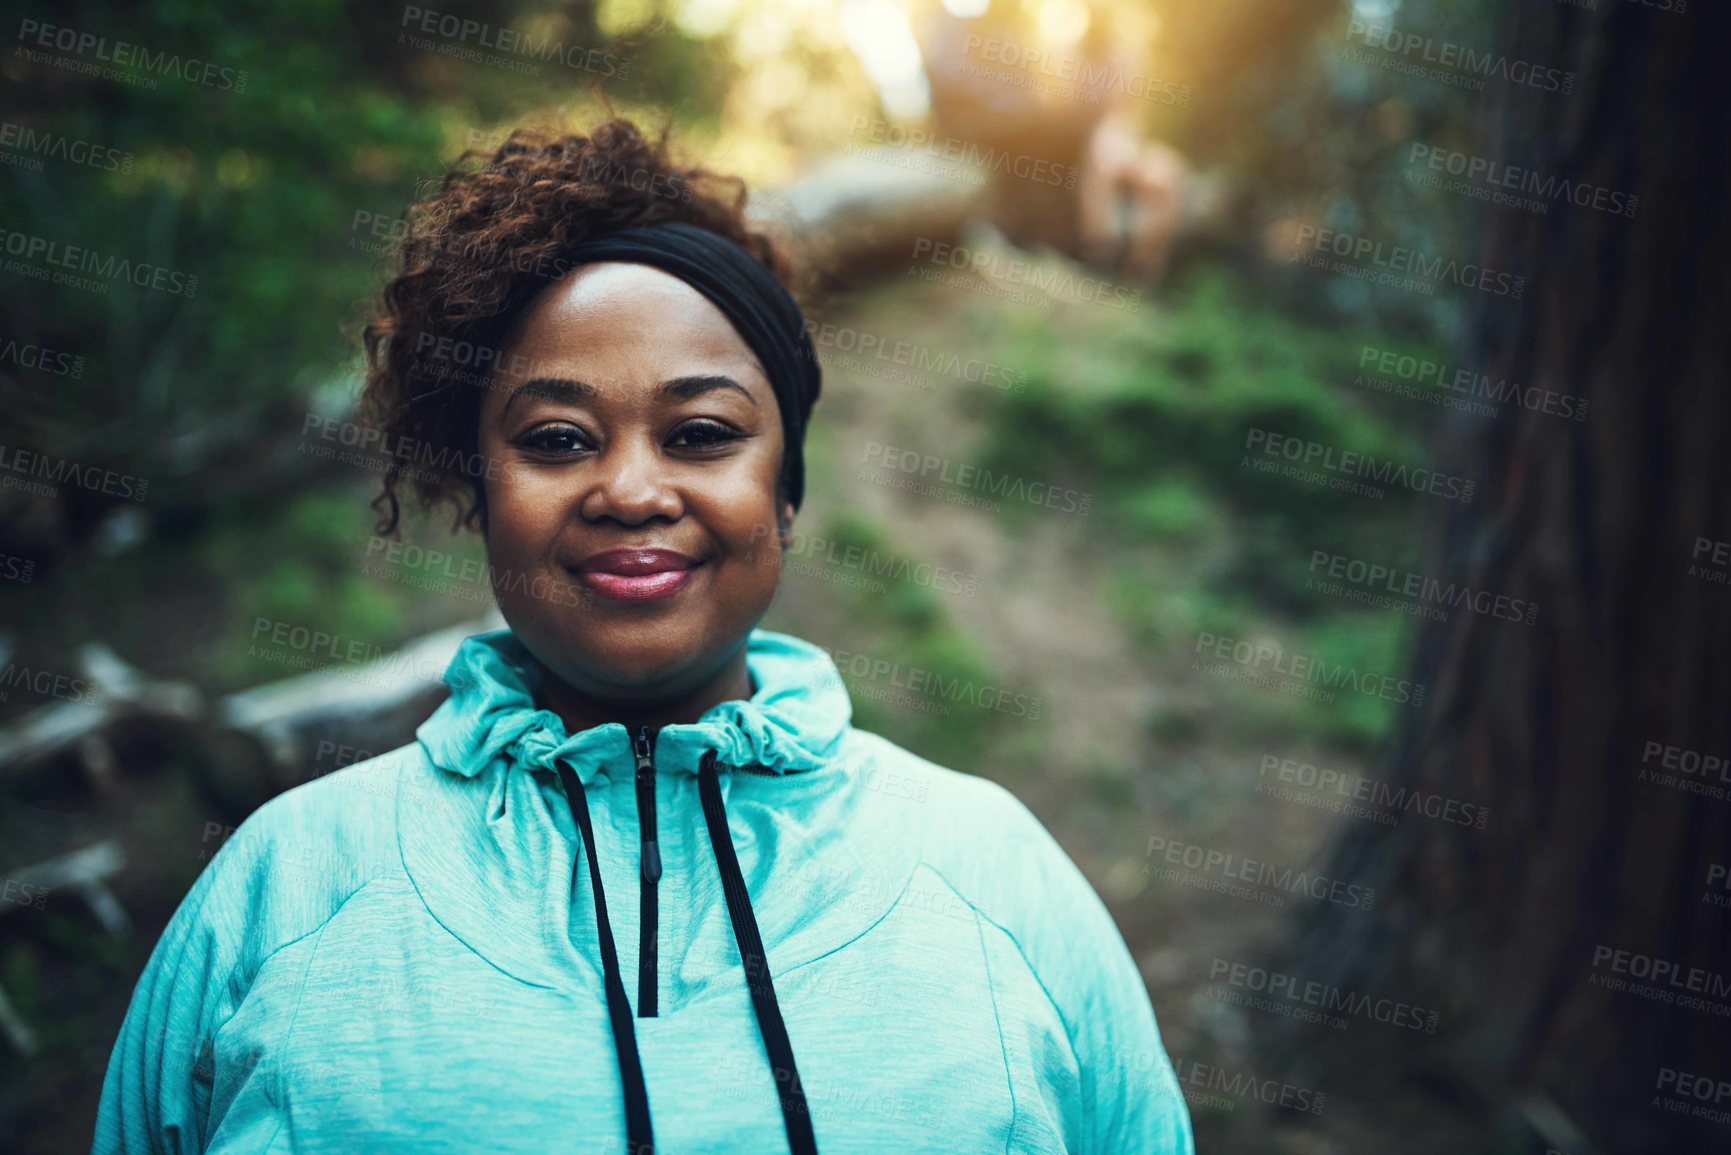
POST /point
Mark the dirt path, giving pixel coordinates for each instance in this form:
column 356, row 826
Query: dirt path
column 1105, row 784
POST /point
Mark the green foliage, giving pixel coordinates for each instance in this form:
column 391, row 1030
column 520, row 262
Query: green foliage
column 930, row 701
column 274, row 181
column 1378, row 646
column 1159, row 406
column 276, row 178
column 1175, row 507
column 1155, row 417
column 299, row 562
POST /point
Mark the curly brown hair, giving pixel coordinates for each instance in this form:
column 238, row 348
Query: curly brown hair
column 472, row 257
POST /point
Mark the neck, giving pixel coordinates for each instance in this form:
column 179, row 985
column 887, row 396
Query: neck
column 582, row 711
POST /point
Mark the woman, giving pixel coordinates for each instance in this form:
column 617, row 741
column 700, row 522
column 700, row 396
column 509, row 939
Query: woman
column 639, row 884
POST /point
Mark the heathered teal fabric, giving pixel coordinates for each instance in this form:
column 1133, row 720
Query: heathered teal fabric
column 401, row 956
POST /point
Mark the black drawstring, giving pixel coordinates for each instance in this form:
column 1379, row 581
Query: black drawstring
column 794, row 1114
column 640, row 1136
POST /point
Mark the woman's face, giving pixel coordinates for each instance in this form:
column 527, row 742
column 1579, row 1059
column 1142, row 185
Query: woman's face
column 630, row 415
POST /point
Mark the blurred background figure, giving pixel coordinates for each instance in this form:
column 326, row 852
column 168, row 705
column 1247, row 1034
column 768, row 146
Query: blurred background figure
column 1062, row 84
column 1131, row 200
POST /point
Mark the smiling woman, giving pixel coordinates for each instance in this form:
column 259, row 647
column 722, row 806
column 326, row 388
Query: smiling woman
column 646, row 459
column 818, row 961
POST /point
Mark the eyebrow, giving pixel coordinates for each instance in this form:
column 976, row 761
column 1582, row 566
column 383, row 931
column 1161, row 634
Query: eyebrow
column 674, row 389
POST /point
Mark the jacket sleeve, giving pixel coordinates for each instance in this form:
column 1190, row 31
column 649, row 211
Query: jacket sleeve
column 156, row 1095
column 1131, row 1103
column 1134, row 1103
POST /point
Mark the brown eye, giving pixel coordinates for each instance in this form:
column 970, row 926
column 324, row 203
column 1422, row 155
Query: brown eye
column 554, row 439
column 702, row 435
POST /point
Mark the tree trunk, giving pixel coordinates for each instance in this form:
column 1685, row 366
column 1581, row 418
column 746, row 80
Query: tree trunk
column 1589, row 735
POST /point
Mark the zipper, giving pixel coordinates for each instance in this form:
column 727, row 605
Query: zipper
column 648, row 914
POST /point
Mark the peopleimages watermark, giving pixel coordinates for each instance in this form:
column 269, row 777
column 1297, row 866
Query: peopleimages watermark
column 1679, row 768
column 959, row 158
column 353, row 443
column 598, row 169
column 465, row 362
column 1259, row 662
column 1057, row 74
column 1195, row 1079
column 373, row 232
column 1384, row 586
column 880, row 463
column 1506, row 184
column 1673, row 7
column 1450, row 63
column 475, row 40
column 453, row 361
column 43, row 474
column 856, row 565
column 376, row 233
column 302, row 860
column 102, row 52
column 1353, row 472
column 40, row 358
column 984, row 286
column 1452, row 387
column 25, row 147
column 1661, row 980
column 934, row 684
column 471, row 579
column 1356, row 796
column 1224, row 872
column 906, row 787
column 46, row 684
column 1280, row 993
column 1052, row 279
column 1686, row 1093
column 308, row 648
column 77, row 267
column 371, row 775
column 1717, row 553
column 22, row 893
column 1717, row 890
column 867, row 347
column 1388, row 263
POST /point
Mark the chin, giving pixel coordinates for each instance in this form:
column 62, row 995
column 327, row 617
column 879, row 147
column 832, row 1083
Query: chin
column 619, row 657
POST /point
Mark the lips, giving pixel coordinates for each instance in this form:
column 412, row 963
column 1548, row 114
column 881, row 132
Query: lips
column 636, row 575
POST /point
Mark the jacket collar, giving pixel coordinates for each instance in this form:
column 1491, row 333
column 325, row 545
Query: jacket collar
column 795, row 721
column 481, row 847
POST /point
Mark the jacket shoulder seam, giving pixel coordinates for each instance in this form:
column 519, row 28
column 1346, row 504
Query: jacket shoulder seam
column 998, row 1019
column 875, row 923
column 229, row 974
column 300, row 993
column 1063, row 1020
column 324, row 922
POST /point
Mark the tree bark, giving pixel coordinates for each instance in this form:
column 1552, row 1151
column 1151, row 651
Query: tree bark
column 1571, row 730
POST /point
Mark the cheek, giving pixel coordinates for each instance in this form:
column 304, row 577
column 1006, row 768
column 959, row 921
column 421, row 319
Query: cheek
column 740, row 510
column 522, row 516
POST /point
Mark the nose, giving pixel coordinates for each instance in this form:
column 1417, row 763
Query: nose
column 630, row 483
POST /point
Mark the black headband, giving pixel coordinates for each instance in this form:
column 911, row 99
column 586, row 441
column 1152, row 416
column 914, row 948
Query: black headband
column 743, row 288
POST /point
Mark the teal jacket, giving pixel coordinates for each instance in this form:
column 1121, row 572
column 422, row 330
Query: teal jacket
column 407, row 955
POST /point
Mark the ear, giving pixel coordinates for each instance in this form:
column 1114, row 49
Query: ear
column 784, row 520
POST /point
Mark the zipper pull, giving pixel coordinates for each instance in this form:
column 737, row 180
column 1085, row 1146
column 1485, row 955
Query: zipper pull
column 646, row 795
